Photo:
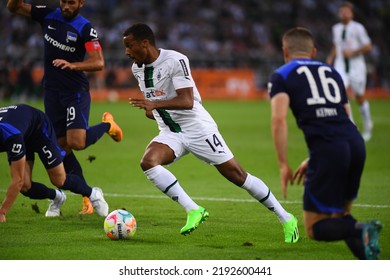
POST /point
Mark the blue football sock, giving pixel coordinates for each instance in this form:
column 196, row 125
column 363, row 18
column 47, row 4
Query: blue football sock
column 333, row 229
column 72, row 165
column 77, row 185
column 95, row 132
column 355, row 243
column 346, row 228
column 40, row 191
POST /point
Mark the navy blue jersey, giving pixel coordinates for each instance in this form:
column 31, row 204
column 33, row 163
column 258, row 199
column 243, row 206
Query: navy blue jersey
column 68, row 40
column 18, row 124
column 25, row 130
column 336, row 148
column 317, row 98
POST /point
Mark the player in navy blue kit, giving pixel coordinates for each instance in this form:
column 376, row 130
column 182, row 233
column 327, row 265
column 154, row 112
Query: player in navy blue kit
column 24, row 131
column 317, row 97
column 68, row 38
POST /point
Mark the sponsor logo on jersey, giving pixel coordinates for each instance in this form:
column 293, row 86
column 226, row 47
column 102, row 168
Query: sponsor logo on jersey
column 96, row 44
column 50, row 162
column 159, row 92
column 57, row 44
column 93, row 33
column 16, row 148
column 154, row 93
column 71, row 36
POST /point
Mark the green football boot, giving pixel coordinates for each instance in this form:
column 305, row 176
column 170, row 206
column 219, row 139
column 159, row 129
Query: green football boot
column 194, row 219
column 290, row 228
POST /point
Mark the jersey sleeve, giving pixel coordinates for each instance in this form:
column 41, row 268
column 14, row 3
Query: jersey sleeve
column 38, row 13
column 91, row 38
column 15, row 147
column 364, row 38
column 181, row 75
column 13, row 142
column 276, row 85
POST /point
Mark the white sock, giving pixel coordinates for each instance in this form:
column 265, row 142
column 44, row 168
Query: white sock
column 93, row 197
column 166, row 182
column 263, row 194
column 58, row 196
column 365, row 111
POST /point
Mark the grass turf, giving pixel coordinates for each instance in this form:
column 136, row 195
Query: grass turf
column 239, row 228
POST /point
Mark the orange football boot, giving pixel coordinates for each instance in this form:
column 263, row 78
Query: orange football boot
column 87, row 207
column 115, row 131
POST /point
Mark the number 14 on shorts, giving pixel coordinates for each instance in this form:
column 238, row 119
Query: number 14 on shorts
column 215, row 144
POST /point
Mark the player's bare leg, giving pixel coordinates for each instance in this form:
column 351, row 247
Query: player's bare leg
column 233, row 171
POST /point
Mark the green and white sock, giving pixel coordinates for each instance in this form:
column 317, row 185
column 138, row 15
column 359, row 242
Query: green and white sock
column 256, row 188
column 165, row 181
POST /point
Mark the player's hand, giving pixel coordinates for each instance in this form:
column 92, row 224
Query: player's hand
column 301, row 171
column 142, row 104
column 63, row 64
column 149, row 114
column 348, row 53
column 286, row 176
column 2, row 218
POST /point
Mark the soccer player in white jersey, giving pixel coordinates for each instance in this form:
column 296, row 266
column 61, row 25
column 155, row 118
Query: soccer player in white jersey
column 350, row 43
column 172, row 99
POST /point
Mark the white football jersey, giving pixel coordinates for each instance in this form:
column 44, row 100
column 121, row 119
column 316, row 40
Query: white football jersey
column 160, row 80
column 355, row 37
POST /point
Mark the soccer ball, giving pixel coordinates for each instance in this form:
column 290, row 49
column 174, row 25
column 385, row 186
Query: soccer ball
column 120, row 224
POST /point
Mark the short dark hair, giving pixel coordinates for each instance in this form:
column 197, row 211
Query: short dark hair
column 141, row 31
column 299, row 39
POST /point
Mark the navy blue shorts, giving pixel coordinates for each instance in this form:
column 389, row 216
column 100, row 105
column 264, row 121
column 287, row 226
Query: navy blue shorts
column 67, row 110
column 333, row 175
column 44, row 143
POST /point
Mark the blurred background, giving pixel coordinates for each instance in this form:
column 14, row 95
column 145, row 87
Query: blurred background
column 238, row 41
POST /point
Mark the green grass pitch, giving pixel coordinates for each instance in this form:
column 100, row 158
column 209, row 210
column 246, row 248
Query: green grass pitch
column 239, row 228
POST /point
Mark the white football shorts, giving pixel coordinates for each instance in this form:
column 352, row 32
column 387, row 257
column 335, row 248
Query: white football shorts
column 208, row 147
column 356, row 79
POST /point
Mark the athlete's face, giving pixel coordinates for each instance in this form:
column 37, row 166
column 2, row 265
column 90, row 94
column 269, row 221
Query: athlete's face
column 345, row 14
column 136, row 50
column 70, row 8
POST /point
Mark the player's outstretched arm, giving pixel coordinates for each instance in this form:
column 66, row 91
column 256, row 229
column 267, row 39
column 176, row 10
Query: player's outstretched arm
column 279, row 108
column 183, row 101
column 94, row 62
column 19, row 7
column 17, row 181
